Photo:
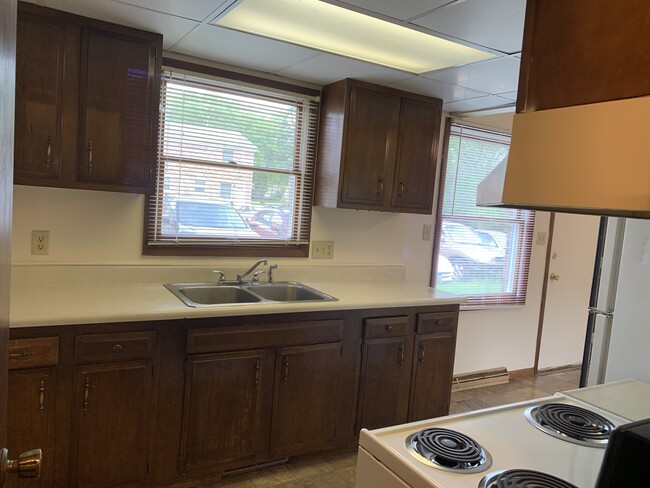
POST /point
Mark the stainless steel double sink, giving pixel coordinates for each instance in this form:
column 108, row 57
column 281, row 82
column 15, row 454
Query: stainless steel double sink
column 210, row 294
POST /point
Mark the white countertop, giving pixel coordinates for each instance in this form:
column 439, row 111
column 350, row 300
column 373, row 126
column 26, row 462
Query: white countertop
column 628, row 398
column 86, row 303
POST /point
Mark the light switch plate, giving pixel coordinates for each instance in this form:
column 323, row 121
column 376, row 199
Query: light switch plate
column 322, row 250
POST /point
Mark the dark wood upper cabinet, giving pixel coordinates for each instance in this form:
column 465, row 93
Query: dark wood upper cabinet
column 86, row 103
column 377, row 148
column 40, row 93
column 583, row 51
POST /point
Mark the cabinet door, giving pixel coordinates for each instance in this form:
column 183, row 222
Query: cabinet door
column 118, row 101
column 369, row 157
column 227, row 408
column 417, row 150
column 30, row 416
column 113, row 416
column 40, row 46
column 433, row 364
column 385, row 382
column 306, row 398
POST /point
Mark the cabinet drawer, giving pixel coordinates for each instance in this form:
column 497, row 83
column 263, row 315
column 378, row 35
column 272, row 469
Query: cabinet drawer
column 264, row 335
column 385, row 327
column 30, row 353
column 436, row 322
column 114, row 347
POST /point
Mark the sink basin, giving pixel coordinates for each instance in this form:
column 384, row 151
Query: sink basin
column 289, row 292
column 195, row 295
column 210, row 294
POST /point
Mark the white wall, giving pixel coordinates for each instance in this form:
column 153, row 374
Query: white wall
column 106, row 228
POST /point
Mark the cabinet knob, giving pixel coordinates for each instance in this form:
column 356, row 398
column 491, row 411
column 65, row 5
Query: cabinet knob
column 117, row 348
column 28, row 464
column 389, row 328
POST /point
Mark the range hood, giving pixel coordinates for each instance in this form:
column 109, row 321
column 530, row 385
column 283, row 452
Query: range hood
column 592, row 159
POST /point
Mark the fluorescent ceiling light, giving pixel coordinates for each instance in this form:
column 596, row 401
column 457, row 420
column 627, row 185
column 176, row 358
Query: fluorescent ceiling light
column 327, row 27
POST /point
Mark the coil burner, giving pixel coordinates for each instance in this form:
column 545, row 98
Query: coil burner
column 522, row 478
column 448, row 450
column 571, row 423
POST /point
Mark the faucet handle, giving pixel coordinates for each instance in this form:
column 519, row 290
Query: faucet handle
column 256, row 277
column 222, row 276
column 272, row 268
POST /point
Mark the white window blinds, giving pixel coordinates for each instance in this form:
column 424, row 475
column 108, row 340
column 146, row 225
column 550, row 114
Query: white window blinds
column 235, row 165
column 480, row 252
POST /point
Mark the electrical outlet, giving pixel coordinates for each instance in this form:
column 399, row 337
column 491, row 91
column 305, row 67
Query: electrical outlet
column 322, row 250
column 41, row 242
column 541, row 238
column 426, row 232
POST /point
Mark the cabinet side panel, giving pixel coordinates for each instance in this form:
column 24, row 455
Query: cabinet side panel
column 592, row 55
column 330, row 139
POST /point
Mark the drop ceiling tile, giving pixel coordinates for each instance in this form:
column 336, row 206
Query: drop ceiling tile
column 492, row 76
column 480, row 103
column 327, row 68
column 432, row 88
column 402, row 10
column 497, row 24
column 172, row 28
column 509, row 95
column 240, row 49
column 194, row 9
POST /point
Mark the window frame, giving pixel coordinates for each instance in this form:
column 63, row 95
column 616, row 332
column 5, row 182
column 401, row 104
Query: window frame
column 484, row 301
column 272, row 249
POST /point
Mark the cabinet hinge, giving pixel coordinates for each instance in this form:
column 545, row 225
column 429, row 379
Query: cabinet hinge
column 147, row 467
column 341, row 349
column 155, row 53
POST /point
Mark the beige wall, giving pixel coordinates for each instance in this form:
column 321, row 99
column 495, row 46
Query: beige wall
column 106, row 228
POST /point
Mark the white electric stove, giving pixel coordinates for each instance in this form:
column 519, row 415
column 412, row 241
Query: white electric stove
column 507, row 440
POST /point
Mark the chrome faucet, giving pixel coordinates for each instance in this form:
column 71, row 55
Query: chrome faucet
column 270, row 272
column 242, row 277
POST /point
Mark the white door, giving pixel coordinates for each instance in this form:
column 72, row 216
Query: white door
column 570, row 273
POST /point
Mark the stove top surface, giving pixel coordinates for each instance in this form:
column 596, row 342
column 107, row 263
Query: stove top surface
column 504, row 433
column 523, row 478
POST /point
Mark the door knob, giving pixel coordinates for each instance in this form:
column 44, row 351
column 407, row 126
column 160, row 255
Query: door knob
column 28, row 464
column 554, row 277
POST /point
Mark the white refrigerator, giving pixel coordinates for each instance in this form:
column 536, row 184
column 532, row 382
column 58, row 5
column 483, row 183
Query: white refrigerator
column 620, row 343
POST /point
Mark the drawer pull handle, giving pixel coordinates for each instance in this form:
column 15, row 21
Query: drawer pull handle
column 401, row 189
column 380, row 185
column 257, row 374
column 86, row 391
column 389, row 328
column 439, row 322
column 400, row 356
column 19, row 355
column 41, row 397
column 117, row 348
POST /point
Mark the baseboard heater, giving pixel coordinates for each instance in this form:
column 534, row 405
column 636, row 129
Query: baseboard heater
column 477, row 379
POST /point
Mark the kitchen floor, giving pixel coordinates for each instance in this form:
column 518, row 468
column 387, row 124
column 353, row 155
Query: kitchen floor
column 338, row 471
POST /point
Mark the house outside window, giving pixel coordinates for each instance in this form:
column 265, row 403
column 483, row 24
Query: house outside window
column 252, row 148
column 480, row 252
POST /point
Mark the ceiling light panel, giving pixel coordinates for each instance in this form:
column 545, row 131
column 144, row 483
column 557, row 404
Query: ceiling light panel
column 331, row 28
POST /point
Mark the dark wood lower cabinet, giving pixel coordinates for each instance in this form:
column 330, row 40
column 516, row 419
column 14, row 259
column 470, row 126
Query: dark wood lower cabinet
column 306, row 398
column 432, row 375
column 31, row 410
column 147, row 404
column 112, row 423
column 385, row 382
column 226, row 409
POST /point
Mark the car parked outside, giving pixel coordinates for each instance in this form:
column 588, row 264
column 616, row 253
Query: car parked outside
column 444, row 271
column 270, row 222
column 467, row 253
column 208, row 218
column 493, row 238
